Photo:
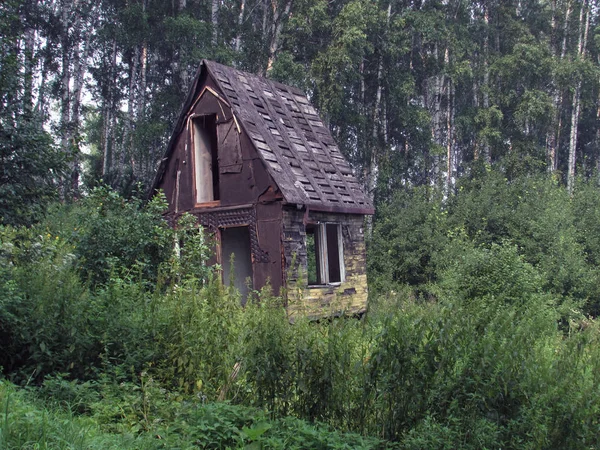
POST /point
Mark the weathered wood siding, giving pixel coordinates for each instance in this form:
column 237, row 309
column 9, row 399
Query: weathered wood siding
column 244, row 187
column 350, row 296
column 247, row 197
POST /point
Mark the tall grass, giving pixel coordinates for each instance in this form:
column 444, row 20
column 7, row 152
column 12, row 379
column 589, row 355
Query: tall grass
column 489, row 360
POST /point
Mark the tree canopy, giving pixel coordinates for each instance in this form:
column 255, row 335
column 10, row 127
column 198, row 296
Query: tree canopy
column 416, row 92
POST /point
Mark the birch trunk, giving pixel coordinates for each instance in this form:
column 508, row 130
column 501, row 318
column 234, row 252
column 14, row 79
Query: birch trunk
column 265, row 11
column 276, row 27
column 214, row 20
column 576, row 101
column 130, row 118
column 373, row 162
column 65, row 77
column 80, row 67
column 450, row 154
column 486, row 79
column 597, row 140
column 237, row 43
column 141, row 105
column 108, row 120
column 553, row 139
column 40, row 107
column 29, row 61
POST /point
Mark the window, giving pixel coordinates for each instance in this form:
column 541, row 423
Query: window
column 325, row 256
column 206, row 170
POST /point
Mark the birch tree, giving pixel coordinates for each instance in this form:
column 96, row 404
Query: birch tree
column 584, row 26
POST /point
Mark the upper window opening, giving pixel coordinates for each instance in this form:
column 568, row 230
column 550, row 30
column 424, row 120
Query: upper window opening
column 206, row 170
column 325, row 257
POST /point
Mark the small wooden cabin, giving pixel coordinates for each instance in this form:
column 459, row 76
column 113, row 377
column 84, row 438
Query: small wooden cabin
column 252, row 160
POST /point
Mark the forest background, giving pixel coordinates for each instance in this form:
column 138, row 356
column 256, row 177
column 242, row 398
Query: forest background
column 474, row 126
column 415, row 93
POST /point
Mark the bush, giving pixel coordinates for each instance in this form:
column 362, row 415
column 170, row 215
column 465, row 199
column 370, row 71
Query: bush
column 111, row 234
column 409, row 232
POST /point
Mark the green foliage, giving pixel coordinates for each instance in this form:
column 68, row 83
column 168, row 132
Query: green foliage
column 494, row 351
column 26, row 422
column 416, row 236
column 30, row 164
column 409, row 232
column 44, row 308
column 54, row 321
column 193, row 250
column 197, row 327
column 110, row 233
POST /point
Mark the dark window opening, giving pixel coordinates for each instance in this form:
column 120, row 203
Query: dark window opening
column 325, row 260
column 206, row 167
column 333, row 253
column 312, row 260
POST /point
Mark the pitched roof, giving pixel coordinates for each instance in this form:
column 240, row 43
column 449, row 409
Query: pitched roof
column 295, row 145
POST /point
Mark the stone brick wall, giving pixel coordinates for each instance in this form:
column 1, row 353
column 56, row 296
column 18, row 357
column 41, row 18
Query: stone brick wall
column 350, row 296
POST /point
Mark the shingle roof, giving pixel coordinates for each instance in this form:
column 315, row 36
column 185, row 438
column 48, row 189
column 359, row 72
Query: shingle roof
column 297, row 148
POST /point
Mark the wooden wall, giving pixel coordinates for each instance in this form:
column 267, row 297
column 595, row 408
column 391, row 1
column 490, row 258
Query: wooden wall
column 243, row 187
column 248, row 196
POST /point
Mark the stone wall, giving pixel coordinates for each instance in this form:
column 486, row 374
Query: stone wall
column 348, row 297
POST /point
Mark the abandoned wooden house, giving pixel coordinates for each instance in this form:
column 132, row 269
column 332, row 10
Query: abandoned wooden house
column 252, row 160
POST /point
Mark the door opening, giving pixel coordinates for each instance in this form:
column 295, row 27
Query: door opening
column 236, row 241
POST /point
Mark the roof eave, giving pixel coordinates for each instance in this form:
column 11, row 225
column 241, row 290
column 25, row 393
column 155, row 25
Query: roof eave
column 359, row 210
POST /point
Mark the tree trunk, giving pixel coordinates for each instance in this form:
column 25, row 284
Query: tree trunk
column 40, row 107
column 107, row 113
column 276, row 27
column 487, row 157
column 65, row 77
column 553, row 137
column 29, row 63
column 130, row 118
column 373, row 157
column 141, row 106
column 214, row 20
column 576, row 101
column 450, row 155
column 80, row 67
column 597, row 137
column 237, row 43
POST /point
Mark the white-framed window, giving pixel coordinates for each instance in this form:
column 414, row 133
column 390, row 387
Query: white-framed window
column 325, row 254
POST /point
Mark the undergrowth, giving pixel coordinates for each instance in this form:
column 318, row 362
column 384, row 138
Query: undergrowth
column 186, row 422
column 483, row 355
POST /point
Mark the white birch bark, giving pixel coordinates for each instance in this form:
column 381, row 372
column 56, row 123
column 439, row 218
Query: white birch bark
column 486, row 79
column 576, row 101
column 80, row 67
column 29, row 63
column 553, row 138
column 65, row 77
column 130, row 118
column 450, row 147
column 237, row 43
column 108, row 119
column 276, row 28
column 214, row 19
column 373, row 161
column 141, row 105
